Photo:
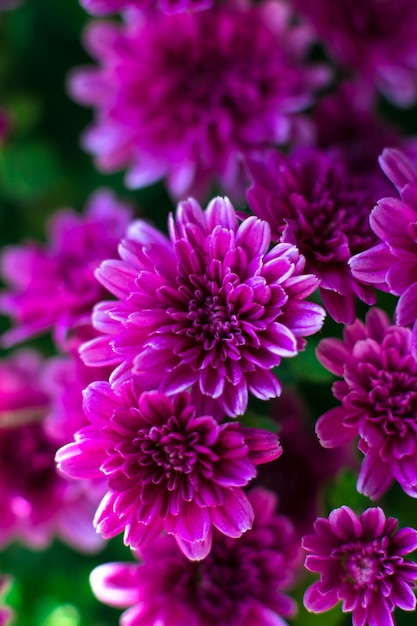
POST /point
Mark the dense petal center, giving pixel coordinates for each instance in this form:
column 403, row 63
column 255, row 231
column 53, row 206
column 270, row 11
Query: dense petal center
column 394, row 400
column 212, row 320
column 223, row 584
column 362, row 563
column 168, row 448
column 332, row 219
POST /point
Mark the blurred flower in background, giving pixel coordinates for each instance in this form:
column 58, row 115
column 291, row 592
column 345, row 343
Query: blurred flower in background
column 53, row 287
column 38, row 503
column 242, row 582
column 184, row 97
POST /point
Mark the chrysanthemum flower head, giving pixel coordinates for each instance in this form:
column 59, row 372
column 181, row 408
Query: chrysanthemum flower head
column 169, row 466
column 52, row 287
column 374, row 39
column 240, row 583
column 379, row 401
column 311, row 200
column 391, row 264
column 38, row 503
column 212, row 306
column 361, row 563
column 182, row 97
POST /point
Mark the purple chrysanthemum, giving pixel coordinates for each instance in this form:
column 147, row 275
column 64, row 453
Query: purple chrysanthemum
column 168, row 464
column 361, row 563
column 182, row 97
column 105, row 7
column 213, row 306
column 37, row 503
column 240, row 583
column 379, row 401
column 53, row 286
column 392, row 264
column 311, row 200
column 374, row 39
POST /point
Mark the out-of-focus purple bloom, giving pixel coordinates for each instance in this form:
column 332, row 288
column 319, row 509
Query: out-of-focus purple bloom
column 346, row 124
column 213, row 306
column 240, row 583
column 377, row 40
column 53, row 286
column 305, row 466
column 37, row 502
column 105, row 7
column 312, row 201
column 66, row 377
column 182, row 97
column 169, row 466
column 379, row 401
column 361, row 563
column 392, row 264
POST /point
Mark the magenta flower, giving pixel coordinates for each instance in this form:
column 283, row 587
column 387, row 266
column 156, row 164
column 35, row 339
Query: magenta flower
column 240, row 583
column 361, row 562
column 53, row 286
column 391, row 265
column 169, row 466
column 182, row 97
column 312, row 201
column 379, row 401
column 212, row 306
column 38, row 504
column 374, row 39
column 105, row 7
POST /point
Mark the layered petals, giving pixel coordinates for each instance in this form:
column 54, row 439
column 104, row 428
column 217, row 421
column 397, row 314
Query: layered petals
column 241, row 582
column 183, row 97
column 360, row 561
column 167, row 466
column 213, row 306
column 378, row 396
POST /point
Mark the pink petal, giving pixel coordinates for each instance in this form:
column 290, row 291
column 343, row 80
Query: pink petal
column 331, row 430
column 193, row 523
column 235, row 516
column 316, row 602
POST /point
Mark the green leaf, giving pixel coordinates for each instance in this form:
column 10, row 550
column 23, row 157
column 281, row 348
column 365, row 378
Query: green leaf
column 254, row 420
column 342, row 491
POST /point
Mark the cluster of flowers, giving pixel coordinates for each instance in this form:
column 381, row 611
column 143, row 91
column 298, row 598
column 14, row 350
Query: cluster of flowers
column 165, row 340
